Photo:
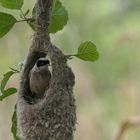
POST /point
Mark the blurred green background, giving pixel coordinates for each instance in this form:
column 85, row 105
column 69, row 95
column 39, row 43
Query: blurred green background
column 107, row 91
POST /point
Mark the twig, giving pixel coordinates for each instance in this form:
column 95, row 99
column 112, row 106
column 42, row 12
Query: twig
column 26, row 20
column 129, row 123
column 70, row 56
column 14, row 70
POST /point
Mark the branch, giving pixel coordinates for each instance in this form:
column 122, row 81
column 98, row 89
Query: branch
column 129, row 123
column 26, row 20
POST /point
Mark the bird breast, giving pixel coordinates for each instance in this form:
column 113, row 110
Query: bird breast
column 39, row 82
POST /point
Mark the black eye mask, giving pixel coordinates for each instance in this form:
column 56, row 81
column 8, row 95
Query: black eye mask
column 42, row 63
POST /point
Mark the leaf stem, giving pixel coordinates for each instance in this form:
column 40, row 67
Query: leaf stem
column 26, row 20
column 70, row 56
column 24, row 17
column 23, row 14
column 14, row 70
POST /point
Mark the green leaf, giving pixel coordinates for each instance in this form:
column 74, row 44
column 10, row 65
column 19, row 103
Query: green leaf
column 87, row 51
column 14, row 125
column 6, row 23
column 59, row 17
column 27, row 12
column 5, row 79
column 34, row 12
column 8, row 92
column 12, row 4
column 32, row 25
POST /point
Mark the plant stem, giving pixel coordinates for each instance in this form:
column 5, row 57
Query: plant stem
column 70, row 56
column 27, row 19
column 14, row 70
column 23, row 14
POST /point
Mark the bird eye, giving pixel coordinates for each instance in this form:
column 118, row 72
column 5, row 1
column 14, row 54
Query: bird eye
column 42, row 63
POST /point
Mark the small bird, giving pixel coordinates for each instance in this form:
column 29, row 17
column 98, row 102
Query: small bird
column 40, row 76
